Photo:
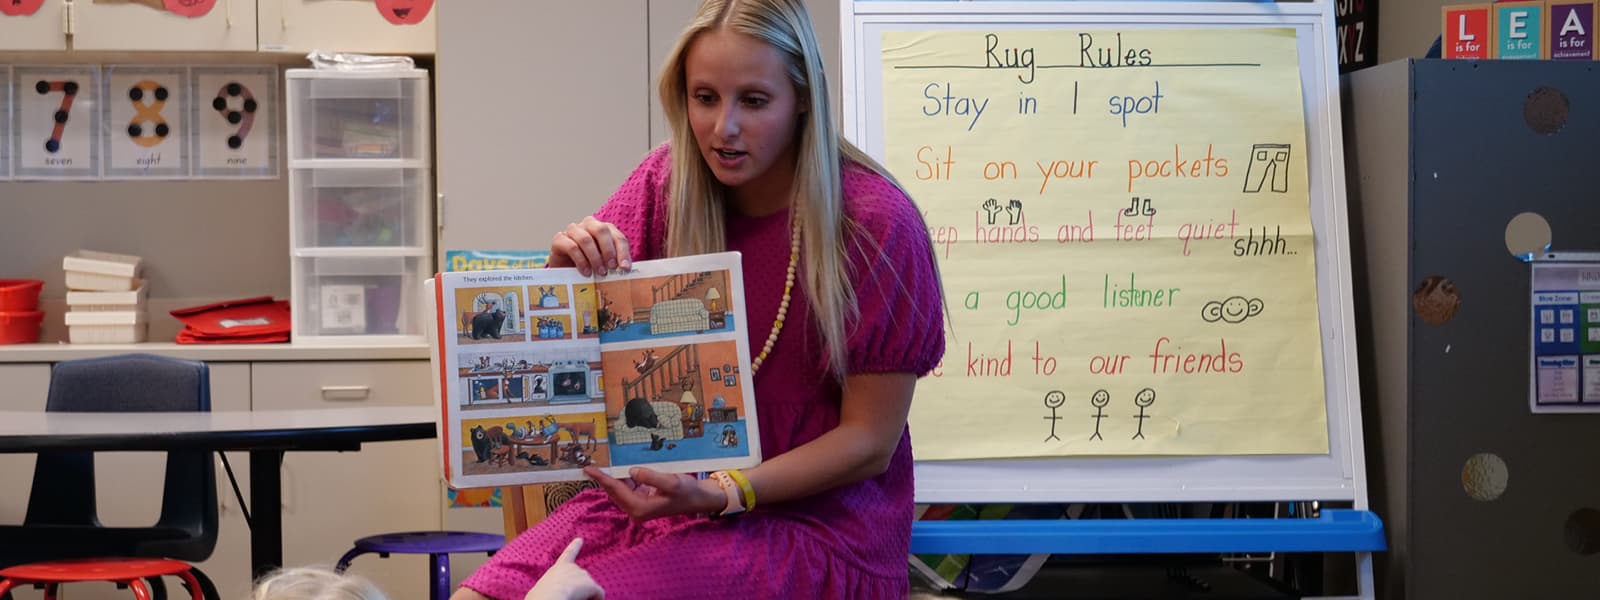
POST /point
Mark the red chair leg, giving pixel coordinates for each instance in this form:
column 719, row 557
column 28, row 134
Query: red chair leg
column 5, row 586
column 139, row 590
column 194, row 584
column 50, row 590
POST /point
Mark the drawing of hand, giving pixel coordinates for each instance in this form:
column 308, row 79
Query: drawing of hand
column 1015, row 208
column 992, row 207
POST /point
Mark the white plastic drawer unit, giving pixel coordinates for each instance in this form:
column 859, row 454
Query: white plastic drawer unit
column 358, row 296
column 359, row 207
column 340, row 116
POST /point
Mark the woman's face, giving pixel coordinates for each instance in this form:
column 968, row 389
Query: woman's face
column 744, row 112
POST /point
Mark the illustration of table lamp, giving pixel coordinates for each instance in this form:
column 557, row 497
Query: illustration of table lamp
column 715, row 297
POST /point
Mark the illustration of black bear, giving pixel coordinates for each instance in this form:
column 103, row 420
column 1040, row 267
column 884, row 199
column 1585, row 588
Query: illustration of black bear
column 487, row 444
column 638, row 413
column 480, row 443
column 488, row 324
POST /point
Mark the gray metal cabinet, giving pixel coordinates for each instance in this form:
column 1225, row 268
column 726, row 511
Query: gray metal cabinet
column 1442, row 155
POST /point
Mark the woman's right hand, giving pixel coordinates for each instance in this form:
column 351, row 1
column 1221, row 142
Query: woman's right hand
column 593, row 246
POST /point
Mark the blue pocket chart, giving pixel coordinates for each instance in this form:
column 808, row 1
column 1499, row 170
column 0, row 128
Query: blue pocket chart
column 145, row 112
column 235, row 121
column 55, row 123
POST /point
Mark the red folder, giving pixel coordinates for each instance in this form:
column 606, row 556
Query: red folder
column 258, row 320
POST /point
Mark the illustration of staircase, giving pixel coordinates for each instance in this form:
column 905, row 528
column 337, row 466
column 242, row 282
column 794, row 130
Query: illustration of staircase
column 676, row 288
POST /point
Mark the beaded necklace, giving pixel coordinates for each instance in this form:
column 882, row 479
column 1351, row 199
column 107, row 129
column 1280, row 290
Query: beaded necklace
column 783, row 307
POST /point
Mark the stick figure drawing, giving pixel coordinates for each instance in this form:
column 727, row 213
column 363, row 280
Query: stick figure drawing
column 1144, row 399
column 1100, row 399
column 1054, row 399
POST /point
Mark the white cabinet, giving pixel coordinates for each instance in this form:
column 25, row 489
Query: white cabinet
column 360, row 187
column 44, row 29
column 129, row 484
column 300, row 26
column 331, row 499
column 230, row 25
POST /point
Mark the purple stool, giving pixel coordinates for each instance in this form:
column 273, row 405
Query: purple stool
column 438, row 545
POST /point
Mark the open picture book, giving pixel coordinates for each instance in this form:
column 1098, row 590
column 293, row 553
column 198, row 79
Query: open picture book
column 541, row 372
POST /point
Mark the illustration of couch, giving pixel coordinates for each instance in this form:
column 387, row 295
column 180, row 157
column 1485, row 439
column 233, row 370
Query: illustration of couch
column 674, row 316
column 670, row 419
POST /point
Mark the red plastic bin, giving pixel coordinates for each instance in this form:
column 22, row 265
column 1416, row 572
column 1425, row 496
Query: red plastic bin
column 20, row 327
column 19, row 295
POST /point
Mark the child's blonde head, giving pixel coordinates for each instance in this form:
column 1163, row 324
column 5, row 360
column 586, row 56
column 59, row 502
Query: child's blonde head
column 313, row 583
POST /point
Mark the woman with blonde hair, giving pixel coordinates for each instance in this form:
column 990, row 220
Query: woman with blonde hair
column 844, row 313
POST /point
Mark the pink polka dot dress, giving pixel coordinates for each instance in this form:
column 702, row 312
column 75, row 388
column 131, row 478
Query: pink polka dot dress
column 849, row 542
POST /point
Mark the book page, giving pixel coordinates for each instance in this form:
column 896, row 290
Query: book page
column 544, row 372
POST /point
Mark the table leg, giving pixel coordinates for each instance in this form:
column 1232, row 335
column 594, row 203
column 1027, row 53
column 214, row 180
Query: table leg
column 266, row 511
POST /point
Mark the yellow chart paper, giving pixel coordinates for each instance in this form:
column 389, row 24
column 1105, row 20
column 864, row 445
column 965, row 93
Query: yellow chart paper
column 1123, row 226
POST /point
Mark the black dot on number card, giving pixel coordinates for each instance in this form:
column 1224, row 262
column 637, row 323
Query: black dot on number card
column 250, row 105
column 161, row 94
column 70, row 87
column 162, row 130
column 235, row 141
column 219, row 103
column 234, row 117
column 61, row 116
column 42, row 87
column 135, row 94
column 52, row 145
column 135, row 130
column 234, row 89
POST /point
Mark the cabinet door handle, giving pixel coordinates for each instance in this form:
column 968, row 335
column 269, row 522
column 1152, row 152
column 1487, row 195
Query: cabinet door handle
column 346, row 392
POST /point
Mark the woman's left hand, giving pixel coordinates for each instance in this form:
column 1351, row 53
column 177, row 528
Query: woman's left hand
column 652, row 494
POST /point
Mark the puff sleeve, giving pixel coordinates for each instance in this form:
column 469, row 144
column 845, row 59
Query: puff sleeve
column 639, row 206
column 898, row 293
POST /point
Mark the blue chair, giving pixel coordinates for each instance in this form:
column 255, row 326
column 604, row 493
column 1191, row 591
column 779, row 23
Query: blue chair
column 61, row 520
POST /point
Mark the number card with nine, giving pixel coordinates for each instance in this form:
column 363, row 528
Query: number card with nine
column 235, row 121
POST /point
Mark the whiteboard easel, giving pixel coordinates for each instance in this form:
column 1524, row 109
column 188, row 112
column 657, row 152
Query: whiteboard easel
column 1340, row 475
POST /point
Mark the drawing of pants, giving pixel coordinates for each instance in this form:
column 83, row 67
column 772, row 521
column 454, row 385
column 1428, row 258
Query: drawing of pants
column 1268, row 161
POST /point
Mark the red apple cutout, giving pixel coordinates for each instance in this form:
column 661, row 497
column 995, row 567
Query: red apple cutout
column 20, row 8
column 401, row 12
column 188, row 8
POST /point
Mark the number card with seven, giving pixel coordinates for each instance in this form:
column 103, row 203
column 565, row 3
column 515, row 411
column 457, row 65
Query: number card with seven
column 145, row 108
column 55, row 123
column 5, row 122
column 236, row 125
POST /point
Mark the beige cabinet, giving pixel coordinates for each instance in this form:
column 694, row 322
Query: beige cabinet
column 331, row 499
column 229, row 26
column 575, row 128
column 300, row 26
column 45, row 29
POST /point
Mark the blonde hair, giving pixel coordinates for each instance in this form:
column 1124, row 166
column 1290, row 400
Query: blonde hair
column 696, row 200
column 315, row 583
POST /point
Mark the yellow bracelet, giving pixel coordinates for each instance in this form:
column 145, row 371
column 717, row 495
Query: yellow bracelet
column 744, row 485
